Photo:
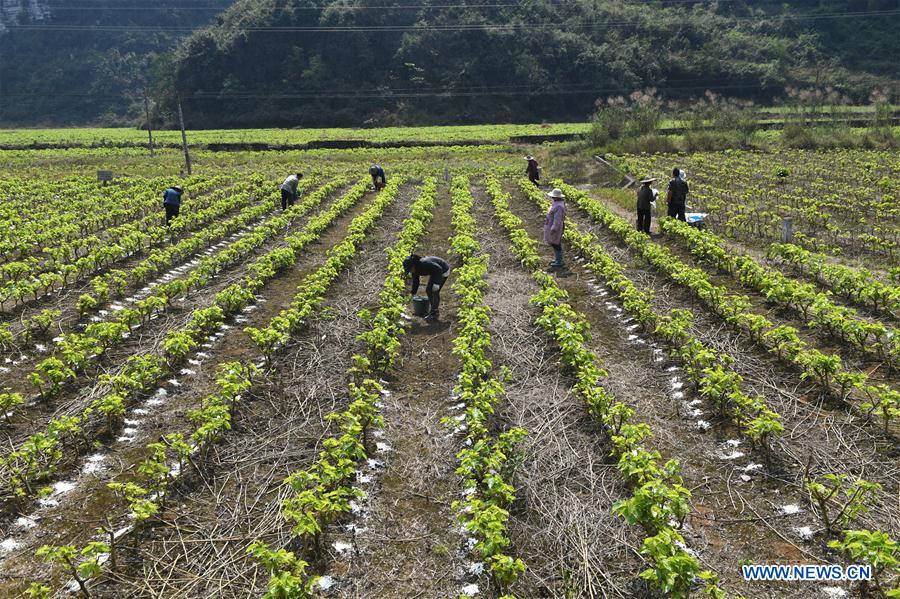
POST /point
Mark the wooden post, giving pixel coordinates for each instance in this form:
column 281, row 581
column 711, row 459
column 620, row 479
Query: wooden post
column 787, row 229
column 187, row 156
column 149, row 125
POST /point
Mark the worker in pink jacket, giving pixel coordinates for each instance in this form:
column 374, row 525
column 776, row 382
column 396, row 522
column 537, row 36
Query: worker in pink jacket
column 555, row 224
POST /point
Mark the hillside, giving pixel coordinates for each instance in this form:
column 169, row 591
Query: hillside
column 357, row 62
column 82, row 62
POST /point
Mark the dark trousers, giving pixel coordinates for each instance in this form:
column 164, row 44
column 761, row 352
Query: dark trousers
column 434, row 296
column 287, row 199
column 676, row 211
column 643, row 221
column 533, row 180
column 171, row 212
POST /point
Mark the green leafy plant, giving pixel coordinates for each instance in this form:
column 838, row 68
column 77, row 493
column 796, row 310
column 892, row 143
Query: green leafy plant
column 839, row 499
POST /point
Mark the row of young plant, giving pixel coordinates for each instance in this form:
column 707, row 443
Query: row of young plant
column 114, row 282
column 659, row 502
column 858, row 285
column 74, row 351
column 837, row 498
column 146, row 495
column 816, row 308
column 709, row 369
column 826, row 369
column 848, row 209
column 67, row 262
column 49, row 213
column 36, row 459
column 324, row 491
column 487, row 462
column 311, row 292
column 147, row 487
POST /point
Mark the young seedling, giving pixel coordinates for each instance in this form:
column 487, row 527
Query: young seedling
column 879, row 551
column 839, row 499
column 287, row 573
column 9, row 402
column 67, row 555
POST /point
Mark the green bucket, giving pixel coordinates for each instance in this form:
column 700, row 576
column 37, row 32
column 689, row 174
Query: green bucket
column 420, row 305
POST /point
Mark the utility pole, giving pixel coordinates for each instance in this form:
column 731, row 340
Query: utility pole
column 187, row 156
column 149, row 124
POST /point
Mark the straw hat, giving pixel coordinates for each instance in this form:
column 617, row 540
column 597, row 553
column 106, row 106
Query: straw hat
column 648, row 180
column 556, row 194
column 177, row 188
column 529, row 157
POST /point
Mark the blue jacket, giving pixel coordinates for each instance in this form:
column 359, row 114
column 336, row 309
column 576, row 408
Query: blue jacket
column 379, row 172
column 171, row 197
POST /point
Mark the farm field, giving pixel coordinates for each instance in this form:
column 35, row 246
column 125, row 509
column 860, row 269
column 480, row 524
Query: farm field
column 243, row 403
column 129, row 136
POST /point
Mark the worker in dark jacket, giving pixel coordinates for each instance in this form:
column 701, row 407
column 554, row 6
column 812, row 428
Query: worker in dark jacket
column 533, row 171
column 289, row 193
column 379, row 180
column 437, row 270
column 676, row 196
column 644, row 198
column 172, row 202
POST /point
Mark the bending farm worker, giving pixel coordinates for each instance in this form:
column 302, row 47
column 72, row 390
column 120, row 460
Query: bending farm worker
column 554, row 225
column 644, row 198
column 172, row 202
column 437, row 270
column 676, row 195
column 289, row 190
column 533, row 171
column 379, row 180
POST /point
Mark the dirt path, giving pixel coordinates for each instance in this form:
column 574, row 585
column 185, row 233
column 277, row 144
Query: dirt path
column 561, row 524
column 408, row 543
column 741, row 511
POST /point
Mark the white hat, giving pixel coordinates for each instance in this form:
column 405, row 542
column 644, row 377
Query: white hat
column 556, row 194
column 529, row 157
column 648, row 180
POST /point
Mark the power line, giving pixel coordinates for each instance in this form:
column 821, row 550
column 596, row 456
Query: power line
column 433, row 93
column 427, row 28
column 346, row 7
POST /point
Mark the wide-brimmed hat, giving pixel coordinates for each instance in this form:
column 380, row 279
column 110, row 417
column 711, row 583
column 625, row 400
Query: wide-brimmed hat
column 556, row 194
column 648, row 180
column 177, row 188
column 529, row 157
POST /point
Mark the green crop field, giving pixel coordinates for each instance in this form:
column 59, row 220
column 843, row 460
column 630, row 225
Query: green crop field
column 243, row 403
column 126, row 136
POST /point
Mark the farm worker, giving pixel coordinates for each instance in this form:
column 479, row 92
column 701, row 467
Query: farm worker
column 555, row 224
column 644, row 199
column 289, row 190
column 437, row 270
column 676, row 195
column 378, row 178
column 533, row 171
column 172, row 202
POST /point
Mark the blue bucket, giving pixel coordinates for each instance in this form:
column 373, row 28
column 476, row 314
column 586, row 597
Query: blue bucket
column 420, row 305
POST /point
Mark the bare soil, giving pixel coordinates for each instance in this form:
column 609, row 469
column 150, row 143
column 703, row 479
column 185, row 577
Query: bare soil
column 407, row 542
